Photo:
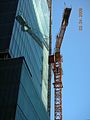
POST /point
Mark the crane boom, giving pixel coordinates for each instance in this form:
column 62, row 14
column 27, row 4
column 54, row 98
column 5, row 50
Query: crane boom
column 56, row 59
column 64, row 24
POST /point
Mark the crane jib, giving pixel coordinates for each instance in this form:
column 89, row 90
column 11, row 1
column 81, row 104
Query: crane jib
column 64, row 24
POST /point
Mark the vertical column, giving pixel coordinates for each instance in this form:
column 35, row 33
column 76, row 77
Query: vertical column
column 50, row 50
column 58, row 89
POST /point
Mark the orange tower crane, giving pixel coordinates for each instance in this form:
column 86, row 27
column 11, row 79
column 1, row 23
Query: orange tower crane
column 56, row 61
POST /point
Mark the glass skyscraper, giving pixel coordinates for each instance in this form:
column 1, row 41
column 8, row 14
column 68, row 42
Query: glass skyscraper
column 24, row 41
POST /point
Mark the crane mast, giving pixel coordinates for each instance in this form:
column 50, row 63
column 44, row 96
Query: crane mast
column 56, row 61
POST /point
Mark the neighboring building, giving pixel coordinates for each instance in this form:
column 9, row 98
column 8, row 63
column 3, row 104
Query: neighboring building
column 24, row 32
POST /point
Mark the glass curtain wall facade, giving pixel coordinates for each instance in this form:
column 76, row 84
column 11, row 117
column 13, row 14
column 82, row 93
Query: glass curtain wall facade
column 36, row 14
column 29, row 104
column 18, row 97
column 31, row 100
column 42, row 13
column 22, row 44
column 10, row 71
column 7, row 16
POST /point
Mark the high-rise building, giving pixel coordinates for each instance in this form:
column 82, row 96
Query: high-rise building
column 24, row 41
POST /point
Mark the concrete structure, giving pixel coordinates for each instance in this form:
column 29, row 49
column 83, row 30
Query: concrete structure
column 25, row 32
